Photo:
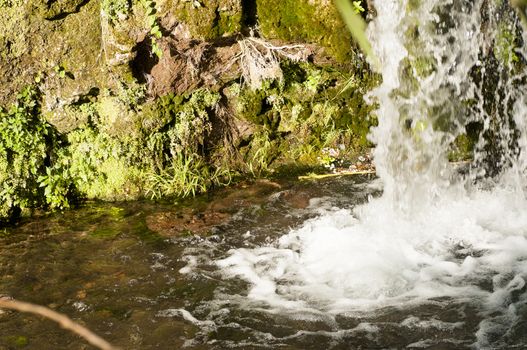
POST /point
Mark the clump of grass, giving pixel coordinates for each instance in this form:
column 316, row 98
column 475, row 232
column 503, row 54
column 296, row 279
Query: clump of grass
column 186, row 176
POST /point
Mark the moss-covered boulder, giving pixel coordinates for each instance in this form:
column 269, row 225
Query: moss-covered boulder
column 310, row 21
column 206, row 19
column 64, row 46
column 53, row 10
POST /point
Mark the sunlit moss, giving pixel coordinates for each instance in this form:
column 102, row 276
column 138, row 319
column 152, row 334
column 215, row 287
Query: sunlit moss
column 306, row 21
column 505, row 45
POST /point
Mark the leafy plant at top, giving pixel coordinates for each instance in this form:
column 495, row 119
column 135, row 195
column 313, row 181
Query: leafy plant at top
column 153, row 24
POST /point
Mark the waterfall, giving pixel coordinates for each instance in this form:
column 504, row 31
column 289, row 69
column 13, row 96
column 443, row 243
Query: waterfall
column 442, row 74
column 451, row 71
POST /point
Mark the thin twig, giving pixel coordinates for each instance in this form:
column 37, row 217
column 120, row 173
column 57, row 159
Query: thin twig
column 64, row 321
column 323, row 176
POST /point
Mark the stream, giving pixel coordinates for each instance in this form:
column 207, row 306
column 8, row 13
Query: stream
column 122, row 270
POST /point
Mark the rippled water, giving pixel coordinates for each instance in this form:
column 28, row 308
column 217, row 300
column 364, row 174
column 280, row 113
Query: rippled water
column 138, row 276
column 124, row 270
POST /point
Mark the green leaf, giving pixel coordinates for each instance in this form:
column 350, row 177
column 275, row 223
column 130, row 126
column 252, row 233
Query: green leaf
column 150, row 11
column 357, row 28
column 155, row 31
column 151, row 20
column 358, row 7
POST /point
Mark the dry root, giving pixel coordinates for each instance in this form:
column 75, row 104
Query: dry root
column 260, row 60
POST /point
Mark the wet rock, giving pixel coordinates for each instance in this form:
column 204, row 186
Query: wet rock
column 185, row 222
column 35, row 44
column 187, row 65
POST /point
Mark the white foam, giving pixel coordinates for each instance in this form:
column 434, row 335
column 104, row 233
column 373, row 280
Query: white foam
column 169, row 313
column 373, row 257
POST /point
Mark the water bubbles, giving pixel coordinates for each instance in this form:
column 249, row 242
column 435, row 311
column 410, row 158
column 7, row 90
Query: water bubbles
column 80, row 306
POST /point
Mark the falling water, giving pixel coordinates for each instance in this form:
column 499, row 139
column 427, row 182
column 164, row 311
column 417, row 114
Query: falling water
column 437, row 232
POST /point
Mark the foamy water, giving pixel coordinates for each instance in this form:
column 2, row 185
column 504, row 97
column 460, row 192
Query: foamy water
column 372, row 257
column 433, row 234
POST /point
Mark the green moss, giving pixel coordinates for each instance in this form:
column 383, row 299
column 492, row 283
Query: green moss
column 306, row 21
column 210, row 19
column 100, row 165
column 116, row 9
column 19, row 341
column 424, row 66
column 229, row 23
column 251, row 104
column 311, row 109
column 35, row 44
column 461, row 149
column 505, row 45
column 413, row 5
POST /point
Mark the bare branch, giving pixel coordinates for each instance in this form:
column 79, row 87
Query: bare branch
column 64, row 321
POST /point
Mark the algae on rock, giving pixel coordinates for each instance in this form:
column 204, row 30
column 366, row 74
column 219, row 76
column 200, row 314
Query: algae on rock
column 310, row 21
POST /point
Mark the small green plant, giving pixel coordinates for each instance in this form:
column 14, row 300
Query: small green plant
column 153, row 24
column 187, row 176
column 61, row 71
column 357, row 7
column 262, row 154
column 116, row 9
column 505, row 46
column 57, row 183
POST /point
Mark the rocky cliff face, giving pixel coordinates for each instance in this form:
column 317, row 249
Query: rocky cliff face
column 171, row 97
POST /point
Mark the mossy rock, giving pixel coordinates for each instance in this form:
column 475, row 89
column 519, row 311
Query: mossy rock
column 115, row 117
column 208, row 19
column 57, row 9
column 38, row 46
column 310, row 21
column 312, row 108
column 69, row 118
